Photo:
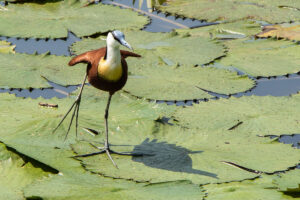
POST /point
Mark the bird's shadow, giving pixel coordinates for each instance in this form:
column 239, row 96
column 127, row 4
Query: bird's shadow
column 166, row 156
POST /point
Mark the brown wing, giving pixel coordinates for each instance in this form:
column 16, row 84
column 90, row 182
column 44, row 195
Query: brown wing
column 89, row 57
column 126, row 54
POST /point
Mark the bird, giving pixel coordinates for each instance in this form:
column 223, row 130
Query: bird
column 107, row 70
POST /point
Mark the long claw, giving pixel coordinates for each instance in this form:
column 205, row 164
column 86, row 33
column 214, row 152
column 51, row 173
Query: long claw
column 89, row 154
column 76, row 111
column 127, row 153
column 61, row 121
column 107, row 152
column 76, row 107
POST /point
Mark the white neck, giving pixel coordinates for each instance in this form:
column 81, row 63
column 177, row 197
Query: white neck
column 113, row 54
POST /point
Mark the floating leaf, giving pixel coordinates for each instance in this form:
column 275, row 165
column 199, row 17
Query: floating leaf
column 165, row 82
column 24, row 71
column 90, row 186
column 29, row 129
column 263, row 57
column 289, row 182
column 166, row 71
column 55, row 19
column 233, row 30
column 188, row 154
column 176, row 48
column 6, row 47
column 272, row 11
column 15, row 174
column 261, row 188
column 30, row 133
column 249, row 115
column 290, row 31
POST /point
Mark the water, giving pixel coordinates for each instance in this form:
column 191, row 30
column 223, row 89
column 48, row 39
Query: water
column 56, row 90
column 59, row 47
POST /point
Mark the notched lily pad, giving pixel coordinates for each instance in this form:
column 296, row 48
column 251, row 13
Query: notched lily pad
column 30, row 129
column 259, row 115
column 266, row 57
column 223, row 31
column 172, row 153
column 260, row 188
column 289, row 182
column 24, row 71
column 55, row 19
column 177, row 48
column 272, row 11
column 16, row 174
column 166, row 72
column 88, row 186
column 162, row 82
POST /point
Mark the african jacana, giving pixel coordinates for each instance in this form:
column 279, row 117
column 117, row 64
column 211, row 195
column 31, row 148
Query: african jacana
column 107, row 71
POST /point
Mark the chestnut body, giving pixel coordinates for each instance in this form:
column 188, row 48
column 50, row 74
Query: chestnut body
column 92, row 58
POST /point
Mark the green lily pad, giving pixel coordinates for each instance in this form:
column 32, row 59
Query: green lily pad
column 250, row 115
column 90, row 186
column 163, row 82
column 166, row 72
column 16, row 174
column 188, row 154
column 29, row 130
column 233, row 30
column 55, row 19
column 24, row 71
column 6, row 47
column 289, row 182
column 30, row 133
column 290, row 31
column 260, row 188
column 174, row 48
column 263, row 57
column 272, row 11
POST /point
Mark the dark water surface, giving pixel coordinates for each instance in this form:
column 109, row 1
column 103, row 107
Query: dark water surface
column 59, row 47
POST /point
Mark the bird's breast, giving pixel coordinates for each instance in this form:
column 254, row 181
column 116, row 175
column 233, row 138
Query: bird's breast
column 111, row 71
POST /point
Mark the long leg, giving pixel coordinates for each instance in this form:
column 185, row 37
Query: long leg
column 106, row 123
column 106, row 149
column 76, row 110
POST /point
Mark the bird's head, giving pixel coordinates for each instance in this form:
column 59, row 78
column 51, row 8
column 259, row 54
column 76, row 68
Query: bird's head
column 115, row 38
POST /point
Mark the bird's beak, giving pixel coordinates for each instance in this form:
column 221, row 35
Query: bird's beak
column 126, row 44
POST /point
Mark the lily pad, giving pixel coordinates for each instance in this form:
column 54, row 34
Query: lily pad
column 223, row 31
column 263, row 57
column 163, row 82
column 272, row 11
column 289, row 182
column 166, row 72
column 250, row 115
column 90, row 186
column 29, row 130
column 16, row 174
column 260, row 188
column 290, row 31
column 172, row 154
column 178, row 49
column 33, row 138
column 24, row 71
column 6, row 47
column 54, row 19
